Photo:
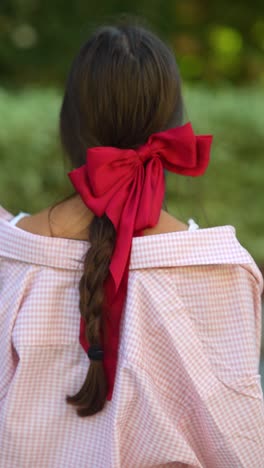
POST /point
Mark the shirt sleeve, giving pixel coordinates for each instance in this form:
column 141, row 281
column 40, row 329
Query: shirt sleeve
column 190, row 360
column 13, row 280
column 8, row 355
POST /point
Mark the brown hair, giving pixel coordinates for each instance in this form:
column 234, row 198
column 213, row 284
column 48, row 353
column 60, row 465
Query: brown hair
column 123, row 86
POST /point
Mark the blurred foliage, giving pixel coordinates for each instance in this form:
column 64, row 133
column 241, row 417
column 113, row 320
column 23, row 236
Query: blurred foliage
column 217, row 43
column 33, row 170
column 231, row 191
column 214, row 41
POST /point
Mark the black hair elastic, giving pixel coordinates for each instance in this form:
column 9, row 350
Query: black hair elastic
column 95, row 352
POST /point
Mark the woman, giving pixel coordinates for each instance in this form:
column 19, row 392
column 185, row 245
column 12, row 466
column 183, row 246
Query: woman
column 170, row 313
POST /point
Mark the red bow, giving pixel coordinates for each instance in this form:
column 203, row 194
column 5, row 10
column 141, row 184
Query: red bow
column 128, row 186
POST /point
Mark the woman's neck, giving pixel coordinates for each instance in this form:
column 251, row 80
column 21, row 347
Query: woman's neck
column 70, row 219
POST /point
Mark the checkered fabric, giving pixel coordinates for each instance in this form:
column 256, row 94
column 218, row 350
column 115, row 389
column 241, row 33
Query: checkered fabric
column 187, row 390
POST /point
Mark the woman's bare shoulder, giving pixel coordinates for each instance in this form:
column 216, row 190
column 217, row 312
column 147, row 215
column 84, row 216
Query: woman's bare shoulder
column 72, row 219
column 166, row 223
column 66, row 220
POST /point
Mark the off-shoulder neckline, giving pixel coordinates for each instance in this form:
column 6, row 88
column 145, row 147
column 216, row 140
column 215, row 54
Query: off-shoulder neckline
column 211, row 245
column 13, row 219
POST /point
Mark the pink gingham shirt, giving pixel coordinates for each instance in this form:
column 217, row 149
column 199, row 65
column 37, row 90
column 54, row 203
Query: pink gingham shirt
column 187, row 390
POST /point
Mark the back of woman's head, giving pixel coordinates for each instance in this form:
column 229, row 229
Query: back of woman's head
column 123, row 86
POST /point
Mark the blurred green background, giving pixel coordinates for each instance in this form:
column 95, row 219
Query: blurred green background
column 219, row 48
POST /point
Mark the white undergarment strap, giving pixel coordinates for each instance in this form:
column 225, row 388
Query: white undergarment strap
column 192, row 225
column 18, row 217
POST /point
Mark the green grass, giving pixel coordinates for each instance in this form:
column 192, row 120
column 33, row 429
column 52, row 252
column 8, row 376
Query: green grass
column 32, row 169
